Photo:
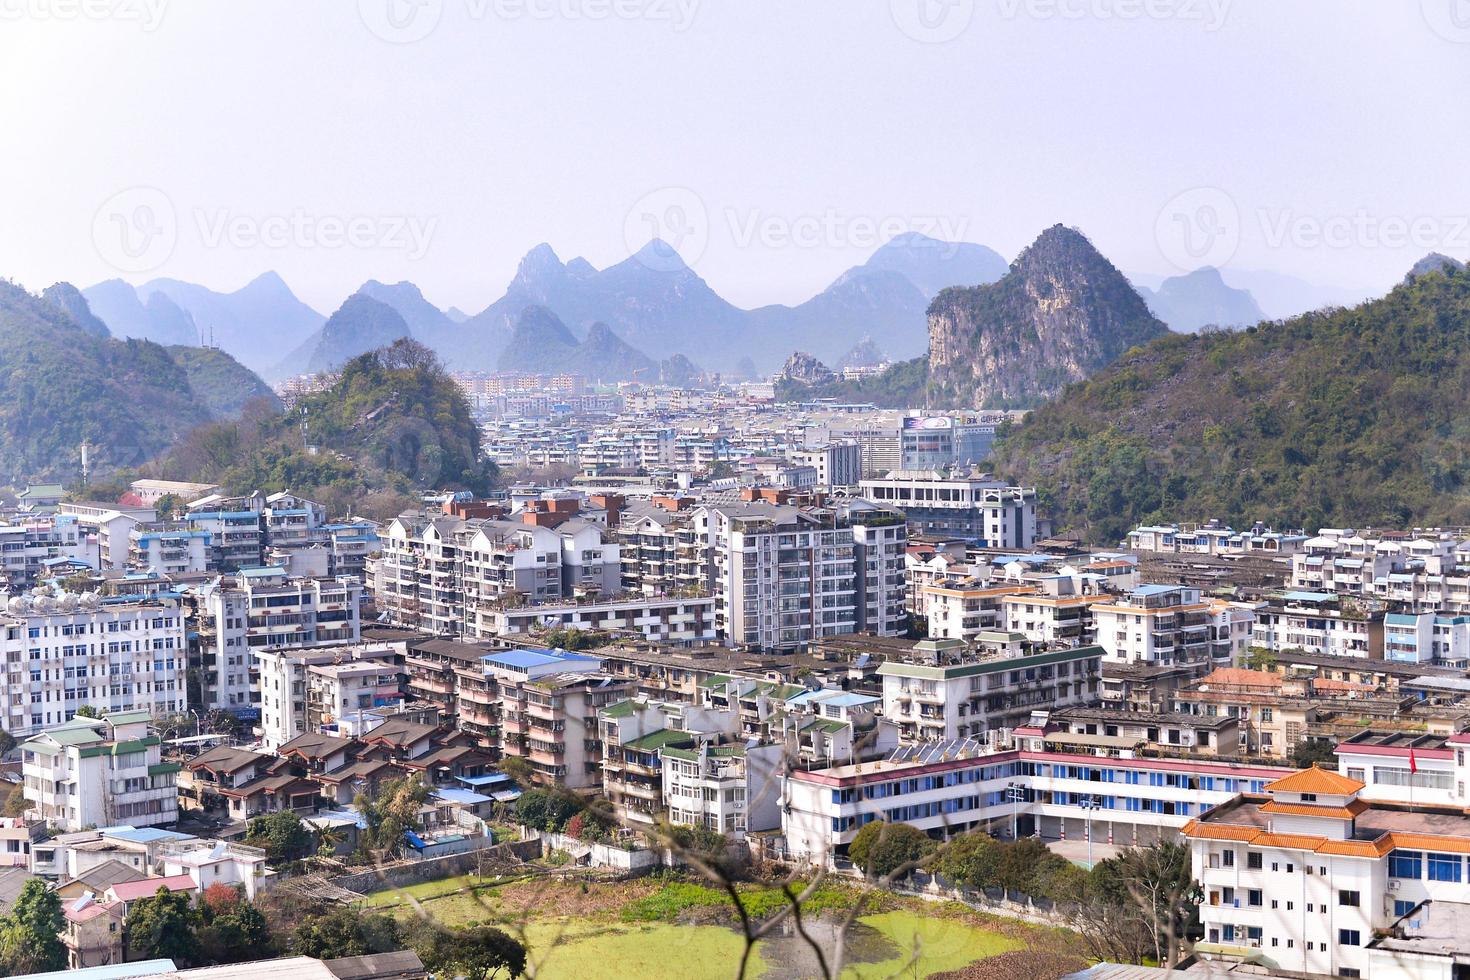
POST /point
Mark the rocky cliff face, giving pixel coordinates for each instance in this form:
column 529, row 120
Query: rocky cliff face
column 1060, row 314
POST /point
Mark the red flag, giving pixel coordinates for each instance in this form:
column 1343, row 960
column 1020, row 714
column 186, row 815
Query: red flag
column 1413, row 765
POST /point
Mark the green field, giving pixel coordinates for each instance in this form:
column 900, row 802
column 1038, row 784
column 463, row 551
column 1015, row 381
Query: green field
column 678, row 929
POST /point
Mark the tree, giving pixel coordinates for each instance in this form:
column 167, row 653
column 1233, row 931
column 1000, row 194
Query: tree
column 1313, row 751
column 1160, row 881
column 882, row 848
column 167, row 505
column 7, row 742
column 519, row 770
column 88, row 711
column 163, row 927
column 233, row 930
column 394, row 810
column 281, row 835
column 547, row 809
column 476, row 953
column 342, row 932
column 30, row 936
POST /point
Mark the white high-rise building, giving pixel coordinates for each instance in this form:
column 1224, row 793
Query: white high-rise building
column 62, row 653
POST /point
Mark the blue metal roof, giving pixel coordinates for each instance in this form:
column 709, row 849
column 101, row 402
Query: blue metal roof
column 463, row 797
column 1309, row 596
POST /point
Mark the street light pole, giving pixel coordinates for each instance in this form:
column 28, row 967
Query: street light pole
column 1089, row 804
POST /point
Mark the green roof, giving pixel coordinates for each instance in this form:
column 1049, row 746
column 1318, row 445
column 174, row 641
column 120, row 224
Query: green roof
column 128, row 717
column 998, row 665
column 620, row 709
column 164, row 768
column 657, row 740
column 718, row 680
column 120, row 748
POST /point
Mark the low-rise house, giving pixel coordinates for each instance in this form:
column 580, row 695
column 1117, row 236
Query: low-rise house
column 207, row 862
column 100, row 772
column 94, row 932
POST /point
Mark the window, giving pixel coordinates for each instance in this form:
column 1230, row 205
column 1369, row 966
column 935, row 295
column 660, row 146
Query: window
column 1406, row 864
column 1253, row 860
column 1445, row 867
column 1253, row 898
column 1347, row 898
column 1349, row 937
column 1228, row 857
column 1402, row 908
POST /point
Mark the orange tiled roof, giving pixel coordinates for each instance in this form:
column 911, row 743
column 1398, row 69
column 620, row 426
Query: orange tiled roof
column 1297, row 842
column 1313, row 810
column 1359, row 848
column 1316, row 780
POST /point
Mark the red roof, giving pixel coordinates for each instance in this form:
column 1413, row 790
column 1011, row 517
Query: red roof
column 129, row 891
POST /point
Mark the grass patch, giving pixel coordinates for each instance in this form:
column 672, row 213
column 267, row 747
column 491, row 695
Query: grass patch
column 389, row 897
column 931, row 945
column 678, row 899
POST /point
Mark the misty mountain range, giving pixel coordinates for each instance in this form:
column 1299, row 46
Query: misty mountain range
column 651, row 302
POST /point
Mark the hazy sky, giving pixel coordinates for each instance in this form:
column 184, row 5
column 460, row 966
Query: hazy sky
column 777, row 141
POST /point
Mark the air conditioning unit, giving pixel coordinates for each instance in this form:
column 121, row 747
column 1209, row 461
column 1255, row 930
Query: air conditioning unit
column 1393, row 884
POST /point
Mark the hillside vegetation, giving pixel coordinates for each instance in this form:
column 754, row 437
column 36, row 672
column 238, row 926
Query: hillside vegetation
column 63, row 383
column 1346, row 417
column 392, row 424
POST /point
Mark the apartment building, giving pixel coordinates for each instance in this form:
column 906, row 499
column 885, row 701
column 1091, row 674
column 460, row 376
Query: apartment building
column 62, row 653
column 966, row 610
column 1427, row 638
column 450, row 576
column 1052, row 615
column 1321, row 622
column 30, row 546
column 1154, row 624
column 265, row 608
column 1214, row 538
column 1009, row 787
column 731, row 788
column 835, row 464
column 938, row 442
column 784, row 576
column 634, row 733
column 168, row 548
column 293, row 696
column 236, row 536
column 547, row 703
column 108, row 526
column 945, row 694
column 1309, row 877
column 99, row 772
column 974, row 508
